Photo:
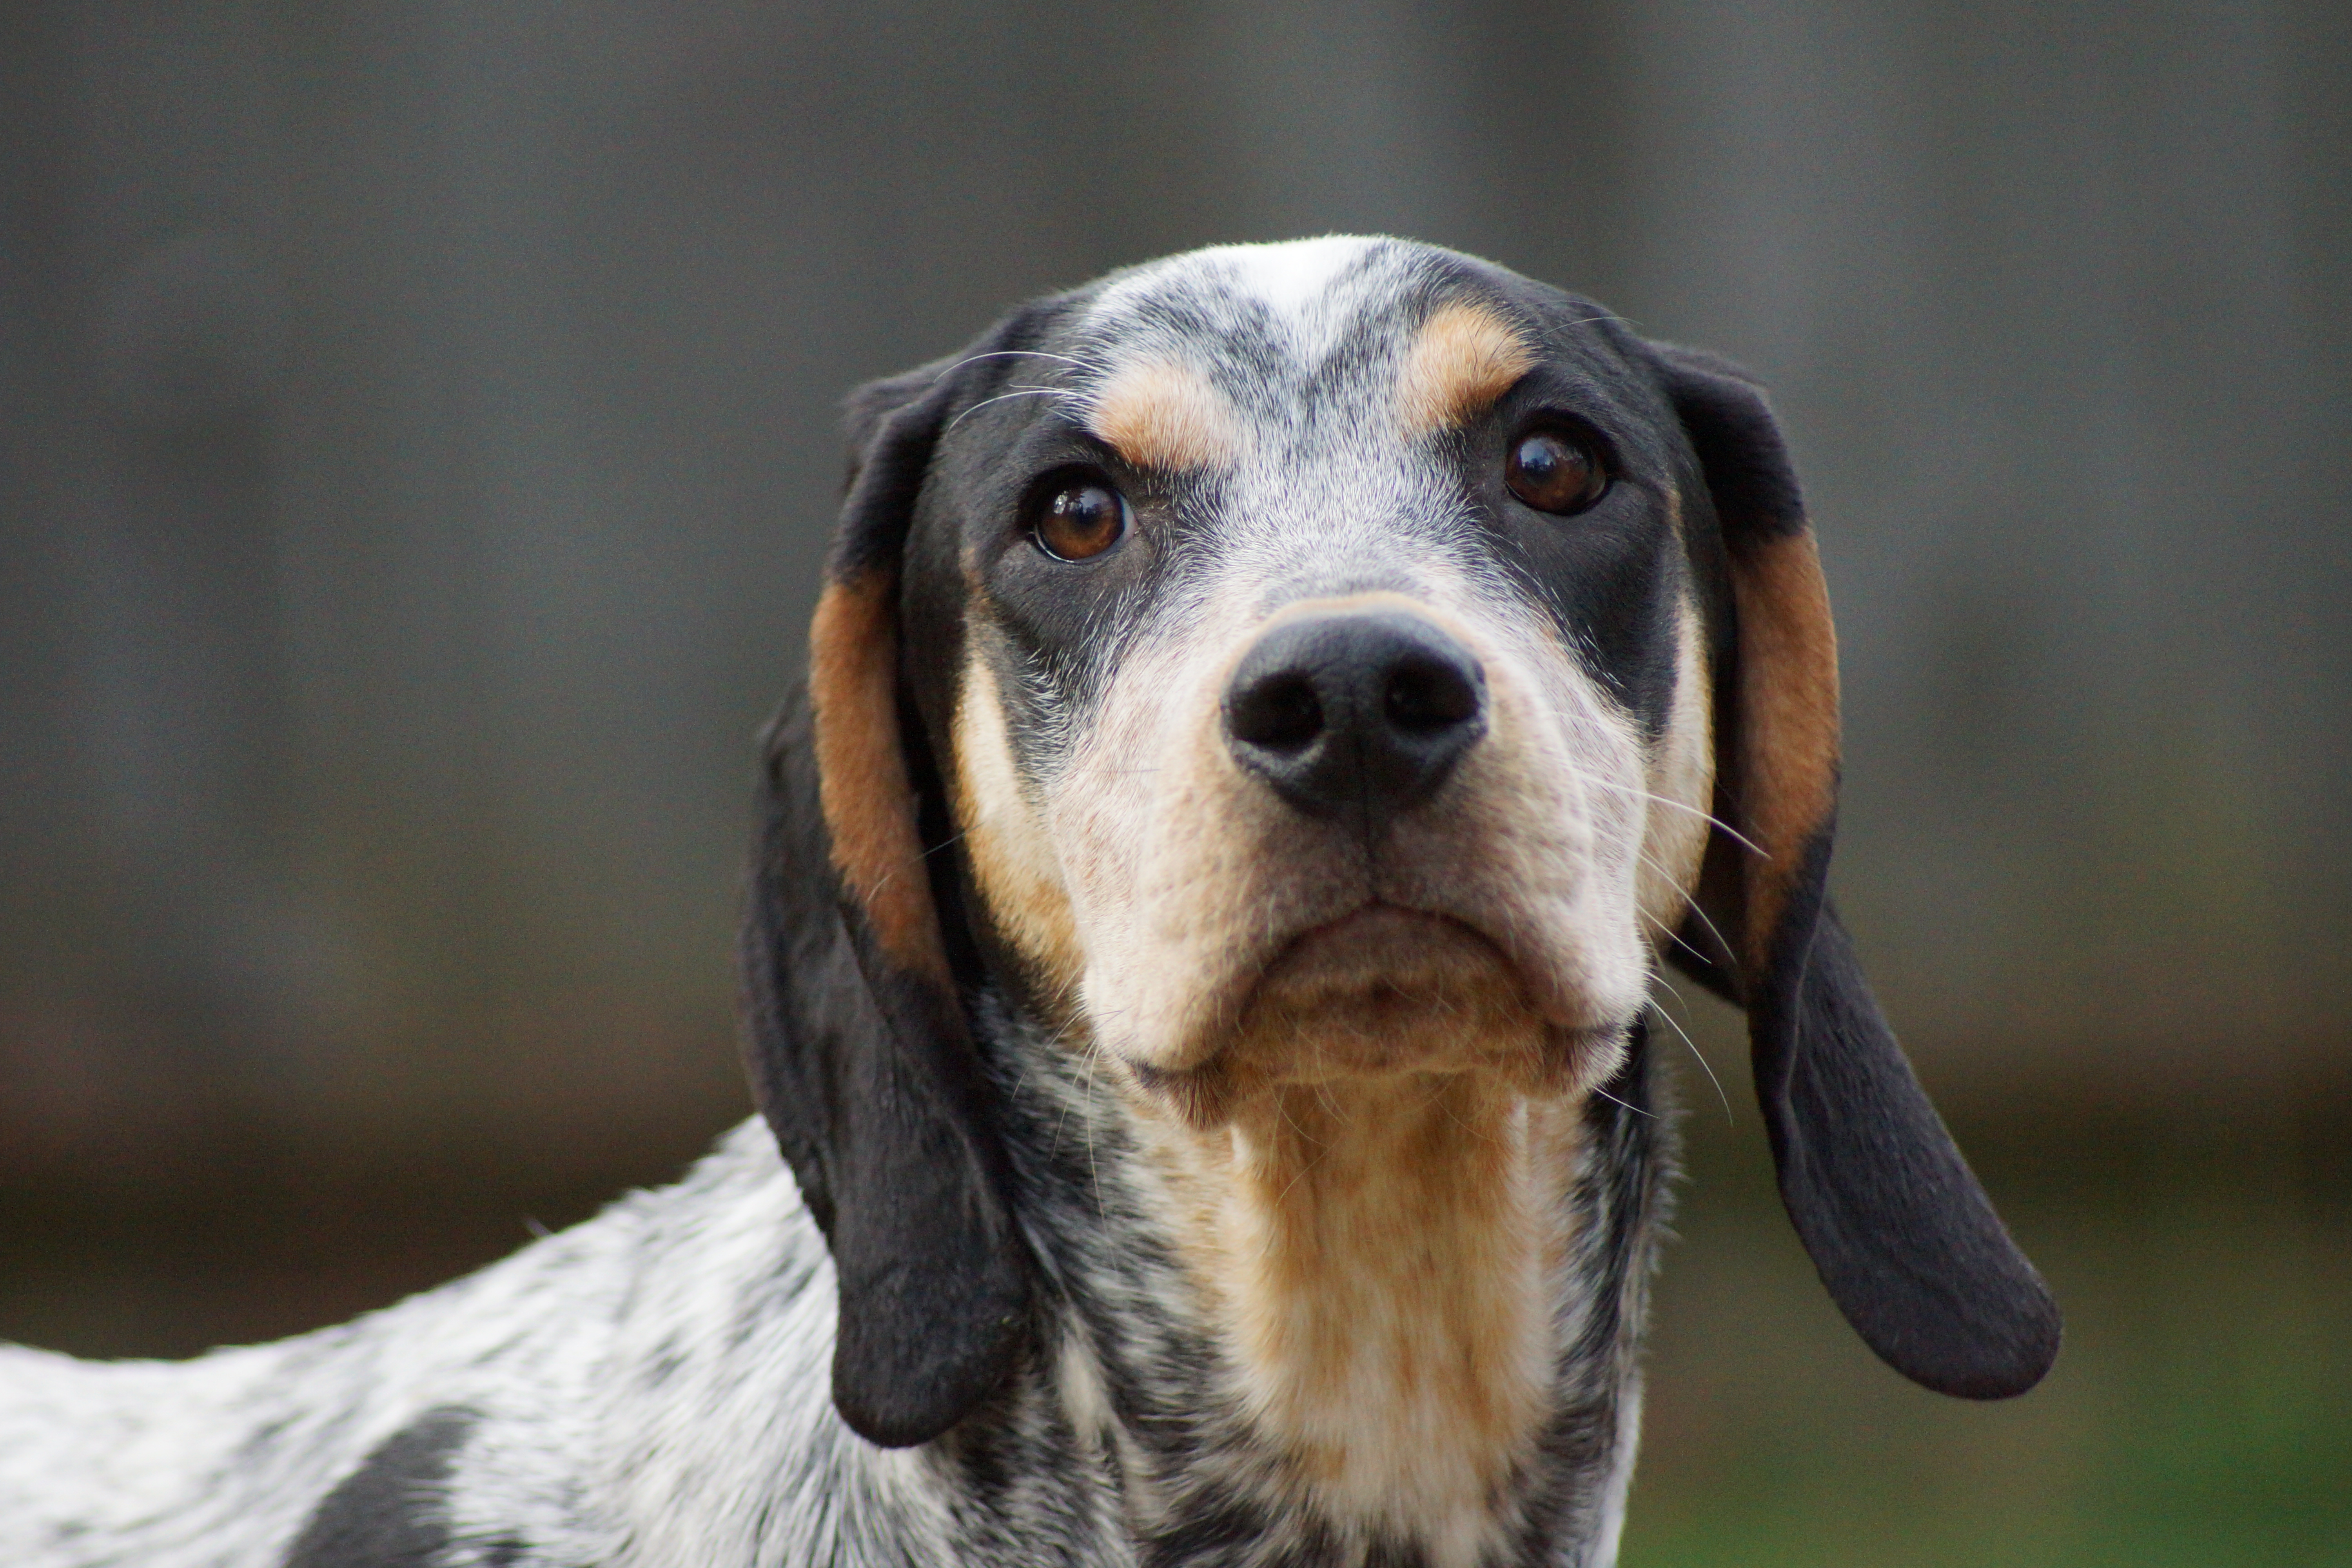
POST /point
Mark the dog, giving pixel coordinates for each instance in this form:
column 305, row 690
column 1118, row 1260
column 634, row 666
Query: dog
column 1270, row 715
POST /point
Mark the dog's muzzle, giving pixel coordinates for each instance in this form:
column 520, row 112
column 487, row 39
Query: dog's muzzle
column 1355, row 715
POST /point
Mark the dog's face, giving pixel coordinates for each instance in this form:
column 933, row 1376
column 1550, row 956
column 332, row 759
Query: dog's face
column 1282, row 668
column 1330, row 694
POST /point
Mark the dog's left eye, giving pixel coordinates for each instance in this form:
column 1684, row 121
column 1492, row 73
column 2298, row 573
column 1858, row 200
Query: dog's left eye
column 1078, row 518
column 1553, row 471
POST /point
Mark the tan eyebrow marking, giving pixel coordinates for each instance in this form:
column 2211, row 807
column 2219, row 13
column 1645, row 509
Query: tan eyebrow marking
column 1164, row 415
column 1464, row 357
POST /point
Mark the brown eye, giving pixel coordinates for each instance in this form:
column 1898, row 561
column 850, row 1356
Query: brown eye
column 1555, row 472
column 1078, row 520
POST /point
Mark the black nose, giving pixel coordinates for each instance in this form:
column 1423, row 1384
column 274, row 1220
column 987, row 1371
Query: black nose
column 1355, row 712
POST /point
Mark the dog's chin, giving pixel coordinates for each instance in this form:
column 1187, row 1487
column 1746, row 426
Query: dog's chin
column 1381, row 993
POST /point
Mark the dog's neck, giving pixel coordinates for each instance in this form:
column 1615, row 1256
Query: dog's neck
column 1372, row 1255
column 1378, row 1276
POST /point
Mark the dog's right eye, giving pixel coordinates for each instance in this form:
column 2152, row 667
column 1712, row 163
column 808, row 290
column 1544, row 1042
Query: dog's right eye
column 1077, row 517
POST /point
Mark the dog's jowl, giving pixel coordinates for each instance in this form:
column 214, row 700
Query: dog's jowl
column 1271, row 714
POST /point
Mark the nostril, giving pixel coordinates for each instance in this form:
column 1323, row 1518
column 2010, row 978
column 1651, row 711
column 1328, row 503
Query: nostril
column 1353, row 712
column 1280, row 713
column 1427, row 694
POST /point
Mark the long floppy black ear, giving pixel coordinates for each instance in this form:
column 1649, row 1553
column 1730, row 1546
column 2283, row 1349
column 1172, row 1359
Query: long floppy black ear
column 1903, row 1235
column 856, row 1044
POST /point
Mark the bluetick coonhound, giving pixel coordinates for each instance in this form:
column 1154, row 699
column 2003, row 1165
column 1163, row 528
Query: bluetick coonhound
column 1270, row 714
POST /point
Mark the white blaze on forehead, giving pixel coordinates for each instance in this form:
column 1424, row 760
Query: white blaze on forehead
column 1299, row 283
column 1209, row 358
column 1294, row 276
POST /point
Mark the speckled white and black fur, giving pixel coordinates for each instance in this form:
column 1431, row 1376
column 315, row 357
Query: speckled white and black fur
column 661, row 1388
column 650, row 1388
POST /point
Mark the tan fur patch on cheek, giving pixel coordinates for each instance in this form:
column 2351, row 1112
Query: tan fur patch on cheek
column 868, row 803
column 1536, row 838
column 1163, row 841
column 1012, row 855
column 1464, row 357
column 1682, row 782
column 1166, row 415
column 1582, row 737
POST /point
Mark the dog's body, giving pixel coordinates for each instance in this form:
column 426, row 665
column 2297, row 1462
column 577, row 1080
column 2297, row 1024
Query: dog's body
column 1268, row 714
column 650, row 1387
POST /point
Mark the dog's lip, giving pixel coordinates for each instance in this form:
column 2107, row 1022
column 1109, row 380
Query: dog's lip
column 1370, row 907
column 1200, row 1089
column 1443, row 925
column 1375, row 912
column 1529, row 968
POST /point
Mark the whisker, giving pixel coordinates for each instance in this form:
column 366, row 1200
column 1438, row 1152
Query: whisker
column 1447, row 1111
column 1714, row 931
column 1094, row 1168
column 1614, row 1101
column 1679, row 940
column 1651, row 795
column 1322, row 1153
column 1303, row 1172
column 1322, row 1080
column 1017, row 392
column 1675, row 935
column 1668, row 1019
column 1055, row 1147
column 1019, row 354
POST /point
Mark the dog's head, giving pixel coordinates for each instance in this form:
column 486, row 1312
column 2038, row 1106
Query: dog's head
column 1284, row 663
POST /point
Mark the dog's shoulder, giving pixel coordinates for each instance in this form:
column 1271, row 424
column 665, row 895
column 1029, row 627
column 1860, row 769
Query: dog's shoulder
column 466, row 1417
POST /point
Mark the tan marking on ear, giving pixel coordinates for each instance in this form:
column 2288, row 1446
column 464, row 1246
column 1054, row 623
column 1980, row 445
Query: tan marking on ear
column 1788, row 717
column 1464, row 357
column 869, row 805
column 1165, row 415
column 1013, row 862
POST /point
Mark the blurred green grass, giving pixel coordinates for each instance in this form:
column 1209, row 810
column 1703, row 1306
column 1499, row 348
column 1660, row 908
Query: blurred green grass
column 2200, row 1412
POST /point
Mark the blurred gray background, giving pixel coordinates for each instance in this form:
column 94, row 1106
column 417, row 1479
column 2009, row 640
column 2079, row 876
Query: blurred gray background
column 417, row 434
